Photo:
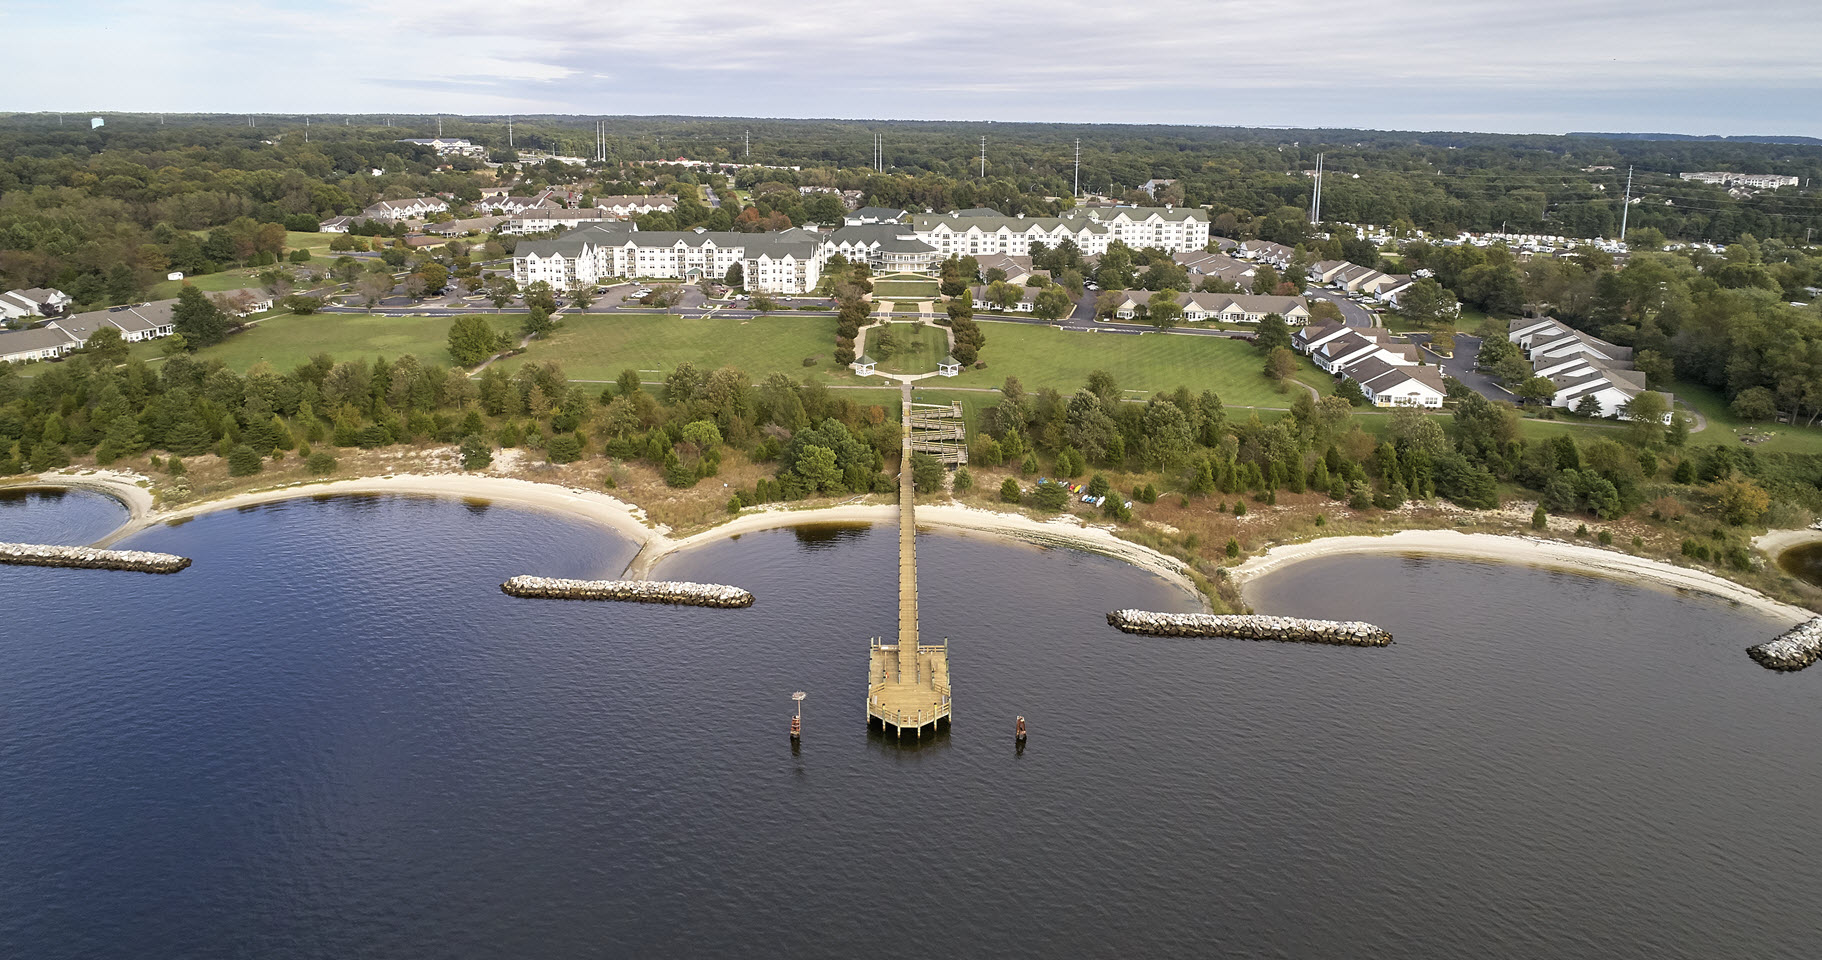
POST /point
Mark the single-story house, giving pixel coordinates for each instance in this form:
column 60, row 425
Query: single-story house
column 1027, row 301
column 866, row 215
column 1398, row 385
column 335, row 225
column 33, row 302
column 1341, row 353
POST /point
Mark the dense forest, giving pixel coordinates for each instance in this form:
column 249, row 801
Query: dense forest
column 106, row 210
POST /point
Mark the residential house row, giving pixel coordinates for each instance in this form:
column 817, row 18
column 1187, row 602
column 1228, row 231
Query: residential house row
column 1389, row 374
column 140, row 321
column 33, row 303
column 1580, row 365
column 1224, row 307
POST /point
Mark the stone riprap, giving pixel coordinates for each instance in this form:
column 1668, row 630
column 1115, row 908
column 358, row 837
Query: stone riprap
column 90, row 558
column 636, row 591
column 1793, row 649
column 1350, row 633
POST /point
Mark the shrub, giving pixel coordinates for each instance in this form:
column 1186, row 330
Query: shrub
column 1539, row 519
column 809, row 361
column 320, row 463
column 963, row 481
column 1239, row 508
column 1322, row 520
column 477, row 453
column 244, row 461
column 174, row 466
column 1050, row 496
column 1233, row 547
column 1605, row 537
column 1581, row 529
column 1009, row 491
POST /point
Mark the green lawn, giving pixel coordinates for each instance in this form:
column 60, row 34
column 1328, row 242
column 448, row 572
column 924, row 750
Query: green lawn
column 238, row 279
column 599, row 347
column 288, row 340
column 1468, row 323
column 896, row 288
column 921, row 347
column 1042, row 356
column 1725, row 428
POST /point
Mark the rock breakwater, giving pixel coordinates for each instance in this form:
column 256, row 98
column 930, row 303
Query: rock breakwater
column 90, row 558
column 1793, row 649
column 1349, row 633
column 636, row 591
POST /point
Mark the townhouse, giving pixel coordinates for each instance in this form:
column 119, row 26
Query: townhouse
column 1338, row 354
column 31, row 303
column 866, row 215
column 136, row 322
column 1580, row 365
column 633, row 206
column 983, row 300
column 1017, row 269
column 1224, row 307
column 546, row 219
column 1201, row 264
column 456, row 228
column 1387, row 384
column 392, row 211
column 1265, row 251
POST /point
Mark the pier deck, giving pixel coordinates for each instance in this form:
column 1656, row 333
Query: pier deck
column 907, row 682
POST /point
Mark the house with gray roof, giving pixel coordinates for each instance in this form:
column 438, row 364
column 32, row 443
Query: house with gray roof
column 1580, row 365
column 1388, row 384
column 866, row 215
column 33, row 302
column 392, row 211
column 886, row 247
column 136, row 322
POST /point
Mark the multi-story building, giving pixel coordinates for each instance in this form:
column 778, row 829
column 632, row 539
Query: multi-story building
column 395, row 210
column 884, row 247
column 1761, row 181
column 450, row 147
column 983, row 231
column 788, row 262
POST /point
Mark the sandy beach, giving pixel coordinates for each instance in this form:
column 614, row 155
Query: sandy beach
column 656, row 544
column 629, row 520
column 1526, row 550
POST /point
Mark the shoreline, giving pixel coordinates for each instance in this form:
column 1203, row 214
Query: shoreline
column 628, row 520
column 656, row 544
column 1530, row 551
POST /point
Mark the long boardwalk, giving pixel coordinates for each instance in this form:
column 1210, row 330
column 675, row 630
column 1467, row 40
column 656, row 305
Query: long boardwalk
column 907, row 682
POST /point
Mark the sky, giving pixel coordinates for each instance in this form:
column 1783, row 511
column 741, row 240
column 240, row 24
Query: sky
column 1538, row 66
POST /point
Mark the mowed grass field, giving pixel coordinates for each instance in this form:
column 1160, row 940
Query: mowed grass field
column 1044, row 356
column 1724, row 428
column 239, row 279
column 285, row 341
column 892, row 288
column 599, row 347
column 920, row 348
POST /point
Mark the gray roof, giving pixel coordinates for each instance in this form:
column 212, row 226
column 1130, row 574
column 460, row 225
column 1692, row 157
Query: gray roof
column 1378, row 374
column 878, row 213
column 989, row 224
column 31, row 341
column 136, row 318
column 1136, row 213
column 979, row 212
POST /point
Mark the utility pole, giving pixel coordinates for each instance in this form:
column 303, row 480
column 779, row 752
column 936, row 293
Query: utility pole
column 983, row 158
column 1316, row 194
column 509, row 133
column 439, row 128
column 306, row 129
column 1078, row 166
column 1626, row 204
column 748, row 150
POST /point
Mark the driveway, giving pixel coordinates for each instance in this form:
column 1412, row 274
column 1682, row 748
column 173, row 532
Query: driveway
column 1352, row 314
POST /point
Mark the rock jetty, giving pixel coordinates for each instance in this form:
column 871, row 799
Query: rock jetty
column 90, row 558
column 1350, row 633
column 1793, row 649
column 636, row 591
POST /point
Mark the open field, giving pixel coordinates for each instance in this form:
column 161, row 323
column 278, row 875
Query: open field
column 920, row 348
column 287, row 340
column 1153, row 362
column 241, row 278
column 1725, row 428
column 893, row 288
column 599, row 347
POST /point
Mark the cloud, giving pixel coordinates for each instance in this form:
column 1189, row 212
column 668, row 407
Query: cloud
column 1542, row 64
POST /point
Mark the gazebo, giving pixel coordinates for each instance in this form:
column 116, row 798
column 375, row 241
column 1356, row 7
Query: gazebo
column 864, row 366
column 949, row 367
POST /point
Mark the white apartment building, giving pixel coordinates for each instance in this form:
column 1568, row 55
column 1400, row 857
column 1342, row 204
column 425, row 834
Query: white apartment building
column 967, row 233
column 394, row 210
column 789, row 262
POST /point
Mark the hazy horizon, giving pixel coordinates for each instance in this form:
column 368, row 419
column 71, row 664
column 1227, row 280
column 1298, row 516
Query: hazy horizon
column 1550, row 67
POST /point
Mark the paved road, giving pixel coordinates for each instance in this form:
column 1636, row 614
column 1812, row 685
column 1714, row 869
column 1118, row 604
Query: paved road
column 1352, row 314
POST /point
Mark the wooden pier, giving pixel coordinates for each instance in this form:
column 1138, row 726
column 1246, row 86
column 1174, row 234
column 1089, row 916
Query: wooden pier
column 908, row 682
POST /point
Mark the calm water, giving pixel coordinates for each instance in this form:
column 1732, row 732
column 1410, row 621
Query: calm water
column 56, row 516
column 333, row 737
column 1804, row 562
